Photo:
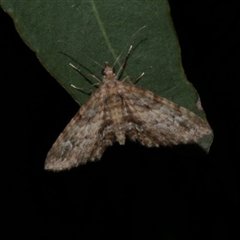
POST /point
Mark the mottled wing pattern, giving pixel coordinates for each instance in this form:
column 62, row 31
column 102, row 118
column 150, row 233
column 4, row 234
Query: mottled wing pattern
column 155, row 121
column 80, row 141
column 116, row 110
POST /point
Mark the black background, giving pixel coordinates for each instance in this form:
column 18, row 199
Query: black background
column 133, row 191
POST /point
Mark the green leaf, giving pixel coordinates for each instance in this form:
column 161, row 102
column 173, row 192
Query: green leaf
column 60, row 32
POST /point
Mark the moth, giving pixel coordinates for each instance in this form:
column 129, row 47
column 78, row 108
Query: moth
column 116, row 110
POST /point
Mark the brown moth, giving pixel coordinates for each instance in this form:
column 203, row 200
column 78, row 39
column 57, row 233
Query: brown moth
column 117, row 110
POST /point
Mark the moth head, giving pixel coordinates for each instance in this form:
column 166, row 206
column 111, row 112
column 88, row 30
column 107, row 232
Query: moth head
column 108, row 70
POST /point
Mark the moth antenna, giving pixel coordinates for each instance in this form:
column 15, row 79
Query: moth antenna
column 97, row 63
column 79, row 70
column 130, row 40
column 124, row 63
